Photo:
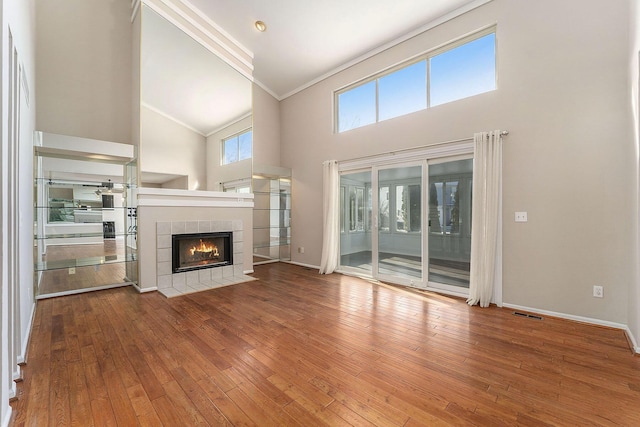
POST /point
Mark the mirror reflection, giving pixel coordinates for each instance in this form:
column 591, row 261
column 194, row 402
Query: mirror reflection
column 84, row 215
column 196, row 121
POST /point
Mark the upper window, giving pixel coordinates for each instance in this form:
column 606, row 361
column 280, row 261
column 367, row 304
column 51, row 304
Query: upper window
column 462, row 69
column 237, row 147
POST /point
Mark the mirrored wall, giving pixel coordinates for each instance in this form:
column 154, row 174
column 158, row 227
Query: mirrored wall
column 85, row 215
column 195, row 115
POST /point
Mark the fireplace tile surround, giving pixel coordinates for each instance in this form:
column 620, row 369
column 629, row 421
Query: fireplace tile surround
column 177, row 284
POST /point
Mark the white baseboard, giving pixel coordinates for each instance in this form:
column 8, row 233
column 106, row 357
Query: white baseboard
column 632, row 341
column 7, row 418
column 145, row 290
column 22, row 358
column 81, row 291
column 568, row 316
column 248, row 271
column 302, row 264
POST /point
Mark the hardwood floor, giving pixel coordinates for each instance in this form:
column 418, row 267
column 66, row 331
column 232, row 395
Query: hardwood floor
column 298, row 348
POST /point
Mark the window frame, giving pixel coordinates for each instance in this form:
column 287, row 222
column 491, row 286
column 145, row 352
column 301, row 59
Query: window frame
column 425, row 56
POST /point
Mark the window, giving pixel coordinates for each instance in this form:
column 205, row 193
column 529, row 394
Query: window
column 464, row 71
column 383, row 199
column 357, row 107
column 450, row 205
column 408, row 208
column 404, row 201
column 459, row 70
column 403, row 91
column 356, row 209
column 237, row 147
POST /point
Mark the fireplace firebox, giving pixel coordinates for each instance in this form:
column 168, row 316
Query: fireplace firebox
column 201, row 250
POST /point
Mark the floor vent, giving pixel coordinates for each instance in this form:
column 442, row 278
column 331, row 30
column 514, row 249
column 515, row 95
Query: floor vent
column 530, row 316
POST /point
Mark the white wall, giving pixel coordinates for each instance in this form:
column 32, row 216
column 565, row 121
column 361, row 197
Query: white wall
column 266, row 128
column 568, row 161
column 18, row 16
column 169, row 147
column 217, row 173
column 84, row 68
column 634, row 76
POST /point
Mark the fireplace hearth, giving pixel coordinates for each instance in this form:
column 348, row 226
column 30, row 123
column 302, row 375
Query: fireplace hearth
column 201, row 250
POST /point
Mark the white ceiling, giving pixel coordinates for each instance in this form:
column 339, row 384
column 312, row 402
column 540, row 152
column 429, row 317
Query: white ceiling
column 306, row 40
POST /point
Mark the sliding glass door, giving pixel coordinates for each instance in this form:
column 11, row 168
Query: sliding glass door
column 449, row 219
column 409, row 223
column 355, row 222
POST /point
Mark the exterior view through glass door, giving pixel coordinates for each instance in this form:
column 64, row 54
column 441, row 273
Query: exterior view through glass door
column 409, row 223
column 449, row 218
column 355, row 222
column 400, row 224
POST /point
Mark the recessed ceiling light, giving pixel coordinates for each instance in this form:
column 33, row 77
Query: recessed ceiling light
column 260, row 26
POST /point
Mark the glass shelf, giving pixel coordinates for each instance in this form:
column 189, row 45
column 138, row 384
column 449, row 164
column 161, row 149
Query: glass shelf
column 84, row 262
column 85, row 216
column 80, row 182
column 79, row 235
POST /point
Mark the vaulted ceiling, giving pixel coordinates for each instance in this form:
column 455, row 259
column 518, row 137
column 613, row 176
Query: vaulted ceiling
column 305, row 41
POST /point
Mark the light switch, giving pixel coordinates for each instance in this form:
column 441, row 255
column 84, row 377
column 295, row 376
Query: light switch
column 521, row 217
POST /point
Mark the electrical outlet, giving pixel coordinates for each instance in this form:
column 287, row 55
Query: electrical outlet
column 301, row 249
column 521, row 217
column 598, row 291
column 72, row 270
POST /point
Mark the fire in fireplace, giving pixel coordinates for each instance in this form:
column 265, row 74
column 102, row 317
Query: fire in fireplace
column 201, row 250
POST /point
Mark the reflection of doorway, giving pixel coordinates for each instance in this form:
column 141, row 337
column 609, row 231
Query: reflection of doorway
column 409, row 223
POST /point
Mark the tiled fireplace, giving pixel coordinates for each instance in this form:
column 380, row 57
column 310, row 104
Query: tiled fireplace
column 194, row 256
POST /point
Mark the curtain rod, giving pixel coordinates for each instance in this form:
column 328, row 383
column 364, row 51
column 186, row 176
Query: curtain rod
column 453, row 141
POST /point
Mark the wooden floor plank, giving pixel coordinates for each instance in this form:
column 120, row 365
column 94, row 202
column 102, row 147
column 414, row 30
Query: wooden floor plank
column 302, row 349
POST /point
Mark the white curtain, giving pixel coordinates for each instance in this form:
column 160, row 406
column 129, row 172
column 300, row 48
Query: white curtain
column 487, row 176
column 331, row 217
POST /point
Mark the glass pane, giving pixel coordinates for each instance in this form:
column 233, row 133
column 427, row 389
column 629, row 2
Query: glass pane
column 360, row 209
column 401, row 208
column 415, row 208
column 467, row 70
column 357, row 107
column 435, row 207
column 403, row 91
column 383, row 211
column 451, row 212
column 368, row 208
column 355, row 244
column 352, row 209
column 342, row 204
column 400, row 251
column 244, row 144
column 230, row 151
column 450, row 223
